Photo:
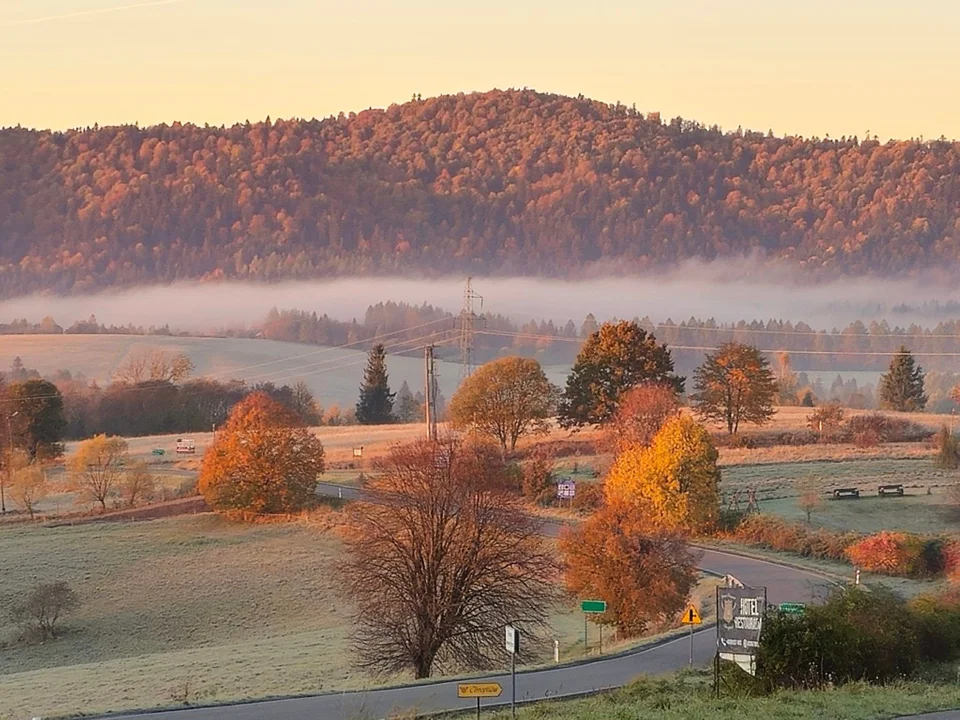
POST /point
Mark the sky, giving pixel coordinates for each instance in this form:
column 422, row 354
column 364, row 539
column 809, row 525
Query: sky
column 807, row 67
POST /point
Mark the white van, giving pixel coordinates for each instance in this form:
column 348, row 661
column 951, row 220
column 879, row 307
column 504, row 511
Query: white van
column 186, row 446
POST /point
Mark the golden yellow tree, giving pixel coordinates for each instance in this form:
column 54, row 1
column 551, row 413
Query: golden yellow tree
column 29, row 487
column 97, row 467
column 673, row 483
column 263, row 461
column 506, row 399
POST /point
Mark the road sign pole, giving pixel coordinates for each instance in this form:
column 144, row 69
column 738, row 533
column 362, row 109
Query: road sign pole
column 513, row 685
column 601, row 639
column 691, row 646
column 478, row 708
column 586, row 648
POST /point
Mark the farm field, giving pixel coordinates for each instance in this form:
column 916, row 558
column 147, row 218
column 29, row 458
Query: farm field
column 193, row 606
column 332, row 374
column 787, row 479
column 922, row 514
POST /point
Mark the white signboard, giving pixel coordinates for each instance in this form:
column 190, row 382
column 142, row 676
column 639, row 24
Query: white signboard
column 566, row 489
column 512, row 640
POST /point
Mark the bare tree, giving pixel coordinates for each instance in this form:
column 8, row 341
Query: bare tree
column 154, row 365
column 137, row 484
column 442, row 556
column 44, row 607
column 97, row 467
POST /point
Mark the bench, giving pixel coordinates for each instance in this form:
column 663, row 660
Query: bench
column 841, row 493
column 891, row 490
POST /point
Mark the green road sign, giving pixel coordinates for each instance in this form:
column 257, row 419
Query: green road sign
column 792, row 608
column 594, row 606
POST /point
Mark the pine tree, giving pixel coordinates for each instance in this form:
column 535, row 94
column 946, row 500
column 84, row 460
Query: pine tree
column 901, row 388
column 375, row 406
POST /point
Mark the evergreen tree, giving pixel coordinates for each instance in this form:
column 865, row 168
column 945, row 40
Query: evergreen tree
column 901, row 388
column 375, row 406
column 408, row 408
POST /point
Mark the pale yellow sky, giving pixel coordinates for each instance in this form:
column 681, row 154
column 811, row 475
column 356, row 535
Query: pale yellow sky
column 811, row 68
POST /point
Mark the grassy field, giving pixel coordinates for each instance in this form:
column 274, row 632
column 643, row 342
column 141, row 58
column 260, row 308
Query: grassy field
column 195, row 606
column 332, row 374
column 689, row 698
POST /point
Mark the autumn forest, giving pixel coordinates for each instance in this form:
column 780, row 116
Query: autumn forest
column 504, row 182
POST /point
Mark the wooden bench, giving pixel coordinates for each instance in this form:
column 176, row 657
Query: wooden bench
column 841, row 493
column 891, row 490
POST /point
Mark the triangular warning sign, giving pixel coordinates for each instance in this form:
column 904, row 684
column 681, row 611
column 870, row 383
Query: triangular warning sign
column 691, row 616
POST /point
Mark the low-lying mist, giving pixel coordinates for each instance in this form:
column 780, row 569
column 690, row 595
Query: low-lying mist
column 715, row 290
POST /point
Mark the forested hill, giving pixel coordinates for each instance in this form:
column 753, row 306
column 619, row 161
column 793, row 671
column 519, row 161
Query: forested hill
column 500, row 182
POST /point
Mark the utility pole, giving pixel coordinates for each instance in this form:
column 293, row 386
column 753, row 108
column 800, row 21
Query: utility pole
column 430, row 393
column 9, row 469
column 468, row 320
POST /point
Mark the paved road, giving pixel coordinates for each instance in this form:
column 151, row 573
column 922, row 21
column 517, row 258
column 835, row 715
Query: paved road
column 783, row 584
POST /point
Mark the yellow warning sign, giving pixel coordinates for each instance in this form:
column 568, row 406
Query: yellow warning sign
column 479, row 690
column 691, row 616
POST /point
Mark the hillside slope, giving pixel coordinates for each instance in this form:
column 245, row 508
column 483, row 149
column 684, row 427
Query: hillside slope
column 500, row 182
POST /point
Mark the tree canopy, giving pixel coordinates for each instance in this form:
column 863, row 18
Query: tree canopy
column 734, row 385
column 507, row 181
column 673, row 483
column 901, row 387
column 37, row 419
column 263, row 461
column 443, row 554
column 506, row 399
column 615, row 358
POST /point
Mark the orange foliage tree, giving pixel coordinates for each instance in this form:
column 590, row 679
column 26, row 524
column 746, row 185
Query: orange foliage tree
column 263, row 460
column 645, row 578
column 674, row 481
column 640, row 415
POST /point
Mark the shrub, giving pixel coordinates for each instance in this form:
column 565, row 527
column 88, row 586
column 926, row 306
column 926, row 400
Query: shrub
column 948, row 450
column 937, row 624
column 777, row 534
column 868, row 430
column 891, row 553
column 537, row 482
column 589, row 496
column 855, row 636
column 43, row 608
column 827, row 422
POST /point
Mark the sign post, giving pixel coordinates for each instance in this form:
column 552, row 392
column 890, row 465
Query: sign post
column 512, row 643
column 691, row 617
column 567, row 489
column 592, row 607
column 479, row 690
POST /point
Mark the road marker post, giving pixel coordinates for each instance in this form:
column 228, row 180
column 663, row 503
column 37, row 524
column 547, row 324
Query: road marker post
column 691, row 617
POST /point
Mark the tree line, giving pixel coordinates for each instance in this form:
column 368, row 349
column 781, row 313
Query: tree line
column 504, row 181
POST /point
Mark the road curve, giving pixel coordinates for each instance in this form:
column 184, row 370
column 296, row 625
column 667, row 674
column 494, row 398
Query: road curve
column 783, row 584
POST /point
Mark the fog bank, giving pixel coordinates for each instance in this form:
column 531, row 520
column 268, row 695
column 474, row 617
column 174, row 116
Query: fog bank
column 699, row 290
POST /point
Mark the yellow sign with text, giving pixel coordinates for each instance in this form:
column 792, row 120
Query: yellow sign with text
column 691, row 616
column 479, row 690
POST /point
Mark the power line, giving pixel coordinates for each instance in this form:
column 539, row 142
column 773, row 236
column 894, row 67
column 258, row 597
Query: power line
column 709, row 348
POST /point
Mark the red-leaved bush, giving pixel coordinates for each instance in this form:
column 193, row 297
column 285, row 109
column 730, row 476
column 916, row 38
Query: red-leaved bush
column 891, row 553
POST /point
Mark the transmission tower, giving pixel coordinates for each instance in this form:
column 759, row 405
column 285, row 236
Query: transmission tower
column 468, row 319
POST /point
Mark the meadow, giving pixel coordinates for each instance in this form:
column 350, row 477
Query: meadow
column 198, row 608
